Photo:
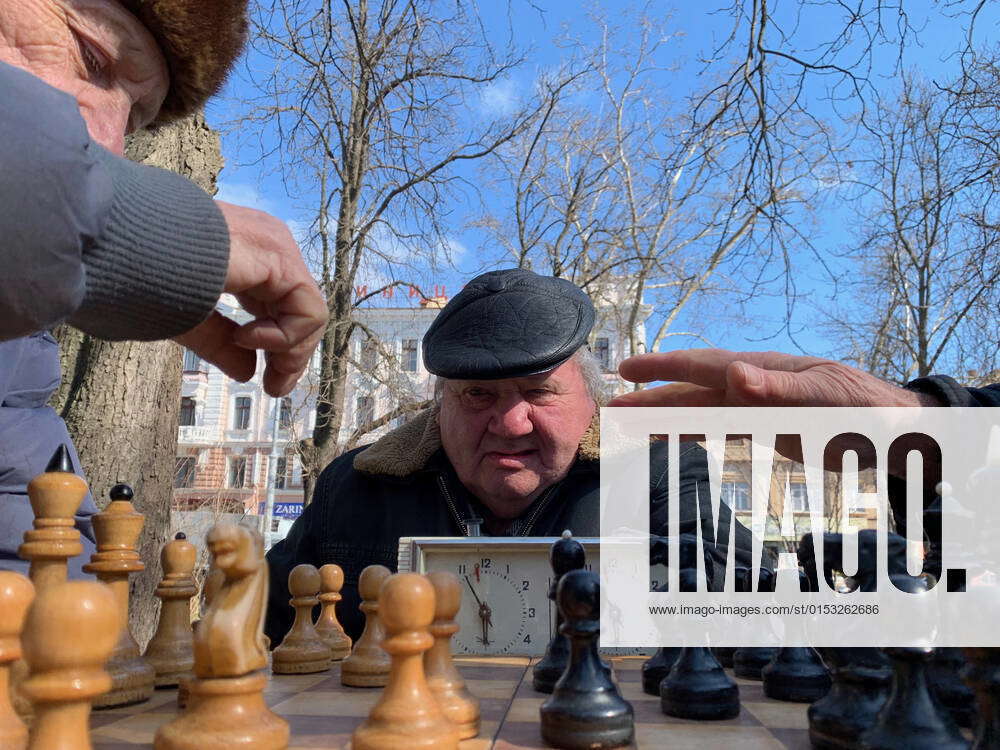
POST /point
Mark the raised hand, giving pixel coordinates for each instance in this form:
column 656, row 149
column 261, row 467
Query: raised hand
column 717, row 377
column 271, row 281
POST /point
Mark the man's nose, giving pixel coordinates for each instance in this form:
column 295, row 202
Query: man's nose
column 512, row 419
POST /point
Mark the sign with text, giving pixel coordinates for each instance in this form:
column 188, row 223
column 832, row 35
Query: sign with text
column 800, row 526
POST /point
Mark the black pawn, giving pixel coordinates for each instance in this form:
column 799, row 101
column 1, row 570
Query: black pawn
column 566, row 554
column 982, row 672
column 725, row 655
column 796, row 674
column 749, row 662
column 698, row 688
column 657, row 667
column 585, row 709
column 911, row 719
column 944, row 674
column 860, row 688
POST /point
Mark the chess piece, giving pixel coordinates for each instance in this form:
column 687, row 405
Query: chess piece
column 328, row 626
column 213, row 583
column 698, row 688
column 725, row 655
column 171, row 650
column 566, row 554
column 585, row 709
column 982, row 673
column 302, row 650
column 407, row 715
column 656, row 668
column 859, row 689
column 368, row 665
column 227, row 706
column 944, row 676
column 16, row 593
column 70, row 631
column 796, row 674
column 911, row 719
column 748, row 662
column 117, row 530
column 447, row 685
column 55, row 497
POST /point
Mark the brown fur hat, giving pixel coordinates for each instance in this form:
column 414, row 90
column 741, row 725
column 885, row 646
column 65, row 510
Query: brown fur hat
column 200, row 39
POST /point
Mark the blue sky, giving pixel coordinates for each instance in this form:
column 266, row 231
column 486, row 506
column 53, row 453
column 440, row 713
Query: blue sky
column 696, row 33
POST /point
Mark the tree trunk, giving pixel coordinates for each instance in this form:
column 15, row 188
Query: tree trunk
column 121, row 400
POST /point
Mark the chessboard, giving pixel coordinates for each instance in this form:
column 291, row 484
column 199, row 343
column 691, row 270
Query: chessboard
column 322, row 713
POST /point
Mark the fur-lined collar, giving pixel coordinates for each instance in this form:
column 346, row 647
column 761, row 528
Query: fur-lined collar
column 408, row 448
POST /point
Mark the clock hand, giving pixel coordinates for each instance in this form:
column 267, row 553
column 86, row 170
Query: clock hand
column 478, row 601
column 486, row 616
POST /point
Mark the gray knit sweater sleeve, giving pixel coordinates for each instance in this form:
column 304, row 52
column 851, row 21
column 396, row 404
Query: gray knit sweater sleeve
column 118, row 249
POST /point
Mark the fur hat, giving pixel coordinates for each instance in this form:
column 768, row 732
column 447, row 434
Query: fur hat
column 200, row 40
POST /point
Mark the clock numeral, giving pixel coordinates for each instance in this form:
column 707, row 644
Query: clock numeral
column 531, row 611
column 524, row 585
column 486, row 563
column 462, row 570
column 527, row 638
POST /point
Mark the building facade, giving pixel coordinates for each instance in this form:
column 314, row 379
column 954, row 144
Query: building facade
column 229, row 430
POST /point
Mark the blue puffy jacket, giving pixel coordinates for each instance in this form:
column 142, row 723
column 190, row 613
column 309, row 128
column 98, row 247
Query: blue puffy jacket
column 30, row 432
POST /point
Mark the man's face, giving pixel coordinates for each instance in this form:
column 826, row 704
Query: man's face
column 94, row 50
column 510, row 439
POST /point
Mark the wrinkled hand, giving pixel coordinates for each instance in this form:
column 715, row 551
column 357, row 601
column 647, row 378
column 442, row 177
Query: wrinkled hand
column 270, row 280
column 716, row 377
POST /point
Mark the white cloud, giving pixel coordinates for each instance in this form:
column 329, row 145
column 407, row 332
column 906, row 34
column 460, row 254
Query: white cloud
column 499, row 98
column 245, row 194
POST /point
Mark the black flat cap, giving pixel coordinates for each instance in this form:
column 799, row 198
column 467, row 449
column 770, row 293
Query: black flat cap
column 508, row 324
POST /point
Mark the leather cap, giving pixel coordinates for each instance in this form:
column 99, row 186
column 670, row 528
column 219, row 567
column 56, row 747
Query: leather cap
column 508, row 324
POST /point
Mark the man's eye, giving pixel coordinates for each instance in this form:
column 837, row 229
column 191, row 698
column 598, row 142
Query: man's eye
column 93, row 59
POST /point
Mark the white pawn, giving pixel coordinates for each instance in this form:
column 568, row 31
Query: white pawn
column 16, row 593
column 69, row 634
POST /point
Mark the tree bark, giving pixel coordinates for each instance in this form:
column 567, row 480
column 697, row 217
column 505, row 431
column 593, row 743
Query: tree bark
column 121, row 400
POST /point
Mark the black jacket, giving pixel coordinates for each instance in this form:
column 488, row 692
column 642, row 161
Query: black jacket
column 357, row 516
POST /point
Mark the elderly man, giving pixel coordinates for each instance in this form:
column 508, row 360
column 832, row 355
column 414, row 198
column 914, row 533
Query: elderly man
column 118, row 249
column 510, row 445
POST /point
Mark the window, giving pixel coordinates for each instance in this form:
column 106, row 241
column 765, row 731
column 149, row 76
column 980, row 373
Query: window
column 285, row 413
column 241, row 416
column 365, row 412
column 184, row 469
column 238, row 471
column 736, row 495
column 409, row 358
column 602, row 350
column 192, row 362
column 187, row 411
column 281, row 474
column 369, row 354
column 797, row 491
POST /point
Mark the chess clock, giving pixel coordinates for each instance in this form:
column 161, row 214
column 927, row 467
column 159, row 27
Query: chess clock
column 505, row 583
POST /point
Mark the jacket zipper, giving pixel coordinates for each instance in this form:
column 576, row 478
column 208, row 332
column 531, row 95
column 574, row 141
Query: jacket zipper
column 451, row 506
column 538, row 509
column 461, row 525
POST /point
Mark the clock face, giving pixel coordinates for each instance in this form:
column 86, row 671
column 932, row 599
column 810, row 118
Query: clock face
column 497, row 619
column 505, row 608
column 505, row 583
